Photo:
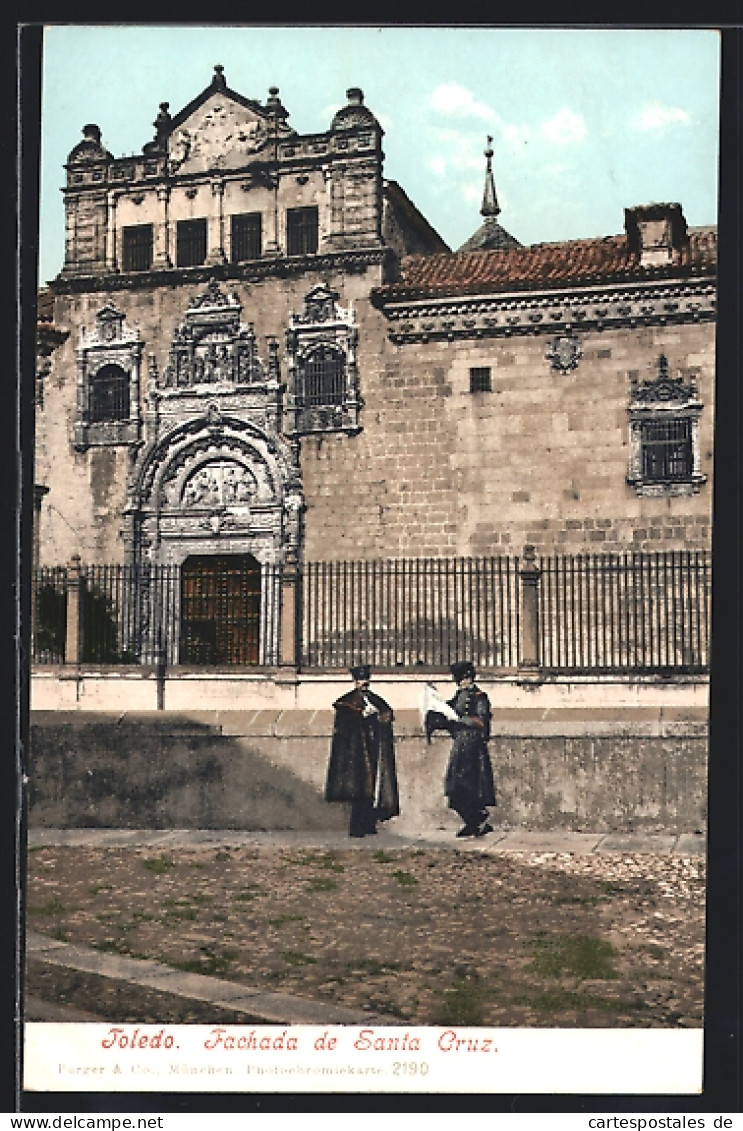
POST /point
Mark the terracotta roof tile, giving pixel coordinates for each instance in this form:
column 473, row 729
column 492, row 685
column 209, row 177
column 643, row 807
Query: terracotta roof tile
column 545, row 265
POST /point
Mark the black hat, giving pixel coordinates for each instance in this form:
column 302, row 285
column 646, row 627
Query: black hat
column 361, row 671
column 463, row 669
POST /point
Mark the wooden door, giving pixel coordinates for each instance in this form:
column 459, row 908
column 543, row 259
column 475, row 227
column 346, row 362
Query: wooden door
column 220, row 610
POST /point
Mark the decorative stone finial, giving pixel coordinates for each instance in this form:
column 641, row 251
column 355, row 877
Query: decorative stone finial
column 274, row 105
column 490, row 206
column 163, row 119
column 219, row 80
column 91, row 132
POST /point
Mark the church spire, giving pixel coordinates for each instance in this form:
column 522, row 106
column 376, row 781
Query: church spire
column 490, row 206
column 490, row 236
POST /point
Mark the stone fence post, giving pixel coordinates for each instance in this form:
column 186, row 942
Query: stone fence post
column 288, row 651
column 529, row 658
column 73, row 652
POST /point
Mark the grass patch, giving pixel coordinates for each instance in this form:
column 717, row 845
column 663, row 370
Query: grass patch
column 282, row 920
column 178, row 911
column 382, row 857
column 326, row 860
column 612, row 888
column 322, row 883
column 98, row 888
column 53, row 907
column 564, row 1001
column 250, row 891
column 462, row 1004
column 114, row 946
column 209, row 963
column 404, row 879
column 158, row 865
column 583, row 956
column 582, row 900
column 373, row 966
column 296, row 958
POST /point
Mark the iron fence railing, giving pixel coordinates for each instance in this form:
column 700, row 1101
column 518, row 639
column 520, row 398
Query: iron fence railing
column 410, row 612
column 49, row 615
column 603, row 613
column 625, row 612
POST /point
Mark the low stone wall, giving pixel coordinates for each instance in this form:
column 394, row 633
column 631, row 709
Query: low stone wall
column 638, row 769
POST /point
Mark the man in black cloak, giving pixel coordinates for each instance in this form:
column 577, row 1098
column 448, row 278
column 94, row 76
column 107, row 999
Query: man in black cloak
column 469, row 774
column 362, row 756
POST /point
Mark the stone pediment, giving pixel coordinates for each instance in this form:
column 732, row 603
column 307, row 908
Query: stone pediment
column 220, row 133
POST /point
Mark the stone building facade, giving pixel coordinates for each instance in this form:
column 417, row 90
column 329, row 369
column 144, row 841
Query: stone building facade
column 257, row 345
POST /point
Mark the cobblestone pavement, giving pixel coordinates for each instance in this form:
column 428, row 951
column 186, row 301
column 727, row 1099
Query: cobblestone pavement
column 422, row 934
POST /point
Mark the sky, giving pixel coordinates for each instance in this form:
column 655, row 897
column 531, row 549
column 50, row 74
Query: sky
column 584, row 122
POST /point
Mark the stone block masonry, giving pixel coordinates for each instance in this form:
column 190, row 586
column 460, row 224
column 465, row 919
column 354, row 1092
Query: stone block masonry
column 640, row 770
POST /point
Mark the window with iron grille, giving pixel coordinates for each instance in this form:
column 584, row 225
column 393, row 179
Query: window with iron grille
column 136, row 248
column 246, row 236
column 301, row 231
column 190, row 243
column 666, row 450
column 664, row 434
column 108, row 394
column 322, row 378
column 480, row 380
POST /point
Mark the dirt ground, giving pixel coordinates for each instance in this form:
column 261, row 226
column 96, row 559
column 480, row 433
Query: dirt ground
column 422, row 936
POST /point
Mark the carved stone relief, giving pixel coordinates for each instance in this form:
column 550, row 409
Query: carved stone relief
column 215, row 475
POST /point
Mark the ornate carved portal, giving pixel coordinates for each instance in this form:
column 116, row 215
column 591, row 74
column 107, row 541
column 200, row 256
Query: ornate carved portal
column 215, row 480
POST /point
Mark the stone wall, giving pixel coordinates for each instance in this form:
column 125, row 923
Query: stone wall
column 580, row 770
column 436, row 470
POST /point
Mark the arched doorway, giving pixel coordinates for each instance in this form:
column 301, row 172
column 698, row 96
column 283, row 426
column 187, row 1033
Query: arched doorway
column 220, row 609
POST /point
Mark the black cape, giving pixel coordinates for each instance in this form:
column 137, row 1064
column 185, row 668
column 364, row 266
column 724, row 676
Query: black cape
column 362, row 755
column 469, row 773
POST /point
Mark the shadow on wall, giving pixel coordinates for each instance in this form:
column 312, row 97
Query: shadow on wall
column 163, row 773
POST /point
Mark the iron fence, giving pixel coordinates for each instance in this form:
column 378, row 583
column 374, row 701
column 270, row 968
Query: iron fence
column 410, row 612
column 624, row 613
column 49, row 615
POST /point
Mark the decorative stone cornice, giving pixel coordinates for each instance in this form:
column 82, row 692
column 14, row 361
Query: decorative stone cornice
column 505, row 315
column 254, row 271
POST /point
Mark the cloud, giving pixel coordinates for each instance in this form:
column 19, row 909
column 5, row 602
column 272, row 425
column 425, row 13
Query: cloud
column 657, row 117
column 452, row 98
column 516, row 137
column 565, row 128
column 455, row 153
column 437, row 165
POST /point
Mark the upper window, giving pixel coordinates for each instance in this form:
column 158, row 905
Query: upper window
column 108, row 367
column 190, row 243
column 666, row 450
column 136, row 249
column 246, row 237
column 108, row 394
column 664, row 435
column 322, row 378
column 480, row 380
column 301, row 231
